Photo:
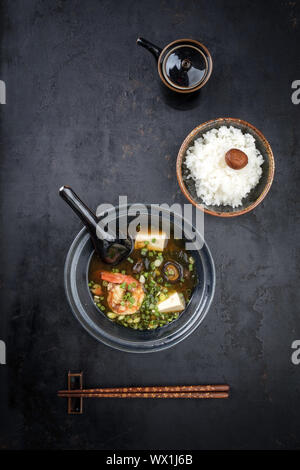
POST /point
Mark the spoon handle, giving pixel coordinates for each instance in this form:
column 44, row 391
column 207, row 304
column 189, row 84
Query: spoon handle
column 84, row 213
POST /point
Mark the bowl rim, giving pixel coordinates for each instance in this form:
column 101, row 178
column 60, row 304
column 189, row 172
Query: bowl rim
column 208, row 59
column 182, row 152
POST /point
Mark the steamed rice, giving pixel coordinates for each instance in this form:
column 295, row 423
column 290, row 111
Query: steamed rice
column 216, row 183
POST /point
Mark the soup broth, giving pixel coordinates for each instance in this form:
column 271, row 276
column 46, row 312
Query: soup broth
column 147, row 290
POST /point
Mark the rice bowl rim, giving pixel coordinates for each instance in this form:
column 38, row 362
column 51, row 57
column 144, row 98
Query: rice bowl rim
column 187, row 143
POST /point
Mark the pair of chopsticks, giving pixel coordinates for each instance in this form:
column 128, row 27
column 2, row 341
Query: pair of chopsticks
column 184, row 391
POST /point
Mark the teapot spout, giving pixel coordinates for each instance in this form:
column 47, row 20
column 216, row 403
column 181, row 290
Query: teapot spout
column 155, row 50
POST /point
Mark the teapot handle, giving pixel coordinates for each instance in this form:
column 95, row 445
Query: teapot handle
column 155, row 50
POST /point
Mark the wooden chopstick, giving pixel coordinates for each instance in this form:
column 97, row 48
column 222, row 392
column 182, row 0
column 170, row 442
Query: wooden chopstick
column 206, row 395
column 155, row 389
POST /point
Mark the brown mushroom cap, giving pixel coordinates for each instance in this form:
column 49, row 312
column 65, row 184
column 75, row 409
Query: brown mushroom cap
column 172, row 271
column 236, row 159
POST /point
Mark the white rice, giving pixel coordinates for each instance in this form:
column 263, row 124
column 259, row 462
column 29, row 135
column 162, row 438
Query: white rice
column 216, row 183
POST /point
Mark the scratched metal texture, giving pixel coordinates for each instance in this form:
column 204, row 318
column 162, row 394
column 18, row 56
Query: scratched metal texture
column 85, row 108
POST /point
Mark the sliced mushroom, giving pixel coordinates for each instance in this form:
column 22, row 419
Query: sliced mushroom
column 183, row 256
column 138, row 267
column 172, row 271
column 147, row 263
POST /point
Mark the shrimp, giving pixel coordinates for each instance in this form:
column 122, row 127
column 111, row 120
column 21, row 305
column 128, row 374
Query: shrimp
column 125, row 293
column 116, row 278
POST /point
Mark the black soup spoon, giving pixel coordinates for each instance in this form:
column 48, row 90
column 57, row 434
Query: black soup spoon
column 112, row 250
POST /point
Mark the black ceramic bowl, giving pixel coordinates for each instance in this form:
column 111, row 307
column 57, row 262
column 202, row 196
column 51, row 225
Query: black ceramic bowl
column 118, row 336
column 255, row 196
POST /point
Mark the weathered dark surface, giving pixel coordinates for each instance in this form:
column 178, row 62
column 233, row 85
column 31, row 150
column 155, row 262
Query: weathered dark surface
column 85, row 108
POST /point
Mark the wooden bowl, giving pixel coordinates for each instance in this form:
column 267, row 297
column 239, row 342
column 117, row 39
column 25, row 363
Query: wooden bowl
column 255, row 196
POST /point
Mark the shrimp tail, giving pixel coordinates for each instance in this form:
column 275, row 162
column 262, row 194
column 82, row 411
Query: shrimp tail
column 116, row 278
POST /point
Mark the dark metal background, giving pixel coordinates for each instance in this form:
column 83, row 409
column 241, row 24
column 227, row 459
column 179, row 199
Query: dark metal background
column 85, row 108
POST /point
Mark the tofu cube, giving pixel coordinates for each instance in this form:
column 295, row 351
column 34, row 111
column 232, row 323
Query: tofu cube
column 157, row 241
column 174, row 303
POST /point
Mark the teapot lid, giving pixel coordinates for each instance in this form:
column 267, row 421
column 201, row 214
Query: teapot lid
column 185, row 64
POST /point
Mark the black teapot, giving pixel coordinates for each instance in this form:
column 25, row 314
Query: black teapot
column 184, row 65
